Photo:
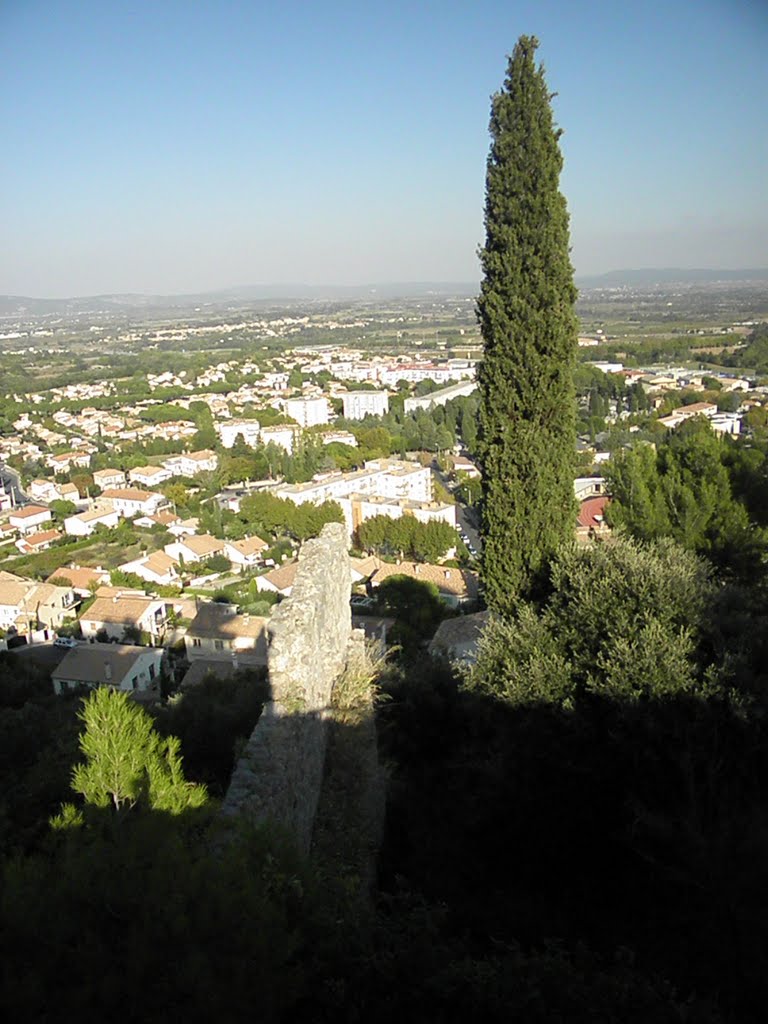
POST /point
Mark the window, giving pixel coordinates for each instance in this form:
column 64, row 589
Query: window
column 135, row 682
column 218, row 645
column 151, row 671
column 197, row 642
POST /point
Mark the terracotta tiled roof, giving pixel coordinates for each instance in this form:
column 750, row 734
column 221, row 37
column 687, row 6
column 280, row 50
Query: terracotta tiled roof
column 459, row 583
column 590, row 510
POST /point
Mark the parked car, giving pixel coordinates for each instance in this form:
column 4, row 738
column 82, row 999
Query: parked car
column 65, row 641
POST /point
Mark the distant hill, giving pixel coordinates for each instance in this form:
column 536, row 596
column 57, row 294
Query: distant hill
column 233, row 298
column 229, row 298
column 650, row 276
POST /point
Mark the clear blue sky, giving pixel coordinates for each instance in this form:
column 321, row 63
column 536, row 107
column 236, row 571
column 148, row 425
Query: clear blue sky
column 183, row 145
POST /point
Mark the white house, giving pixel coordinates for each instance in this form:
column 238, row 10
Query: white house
column 195, row 548
column 84, row 523
column 120, row 666
column 245, row 553
column 149, row 476
column 217, row 631
column 104, row 478
column 120, row 610
column 24, row 603
column 156, row 567
column 42, row 490
column 130, row 502
column 192, row 463
column 280, row 580
column 30, row 518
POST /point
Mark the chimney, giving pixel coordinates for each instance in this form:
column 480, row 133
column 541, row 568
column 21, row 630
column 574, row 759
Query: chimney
column 107, row 672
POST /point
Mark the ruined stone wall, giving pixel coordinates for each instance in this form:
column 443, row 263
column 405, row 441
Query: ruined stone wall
column 280, row 774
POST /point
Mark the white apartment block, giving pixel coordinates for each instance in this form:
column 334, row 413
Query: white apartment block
column 357, row 509
column 282, row 435
column 440, row 397
column 228, row 431
column 413, row 373
column 383, row 478
column 359, row 404
column 308, row 412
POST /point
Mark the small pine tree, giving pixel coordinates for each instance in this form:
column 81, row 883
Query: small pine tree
column 527, row 409
column 127, row 762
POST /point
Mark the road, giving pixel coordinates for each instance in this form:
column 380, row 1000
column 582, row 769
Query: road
column 12, row 484
column 466, row 518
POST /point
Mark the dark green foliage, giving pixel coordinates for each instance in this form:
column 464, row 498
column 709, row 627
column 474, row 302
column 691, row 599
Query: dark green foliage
column 407, row 537
column 415, row 604
column 213, row 721
column 527, row 411
column 683, row 490
column 268, row 515
column 622, row 621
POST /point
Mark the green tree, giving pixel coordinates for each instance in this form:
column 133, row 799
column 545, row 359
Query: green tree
column 127, row 762
column 525, row 309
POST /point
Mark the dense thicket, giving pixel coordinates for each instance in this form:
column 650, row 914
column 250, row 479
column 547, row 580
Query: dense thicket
column 526, row 314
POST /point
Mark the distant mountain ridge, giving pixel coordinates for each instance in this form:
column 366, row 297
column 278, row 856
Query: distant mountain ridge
column 650, row 276
column 232, row 298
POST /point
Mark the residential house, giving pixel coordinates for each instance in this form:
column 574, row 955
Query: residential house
column 82, row 580
column 84, row 523
column 131, row 502
column 104, row 478
column 119, row 666
column 588, row 487
column 166, row 518
column 30, row 543
column 457, row 639
column 217, row 631
column 246, row 553
column 30, row 518
column 184, row 527
column 149, row 476
column 68, row 492
column 122, row 610
column 156, row 567
column 42, row 490
column 279, row 580
column 192, row 463
column 25, row 604
column 591, row 522
column 462, row 464
column 195, row 548
column 456, row 587
column 64, row 463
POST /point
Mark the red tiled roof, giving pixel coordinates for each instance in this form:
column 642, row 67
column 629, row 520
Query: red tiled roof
column 591, row 509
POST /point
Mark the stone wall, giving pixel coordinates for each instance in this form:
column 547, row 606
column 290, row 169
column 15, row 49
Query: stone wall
column 280, row 774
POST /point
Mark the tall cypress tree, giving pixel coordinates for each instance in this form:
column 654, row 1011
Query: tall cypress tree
column 527, row 319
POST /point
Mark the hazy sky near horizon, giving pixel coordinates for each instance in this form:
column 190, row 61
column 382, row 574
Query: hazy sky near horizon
column 179, row 146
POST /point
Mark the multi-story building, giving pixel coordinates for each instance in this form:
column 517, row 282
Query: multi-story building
column 359, row 404
column 229, row 430
column 308, row 412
